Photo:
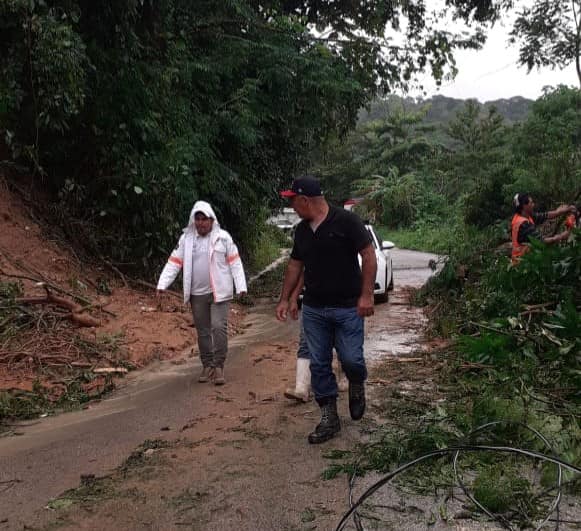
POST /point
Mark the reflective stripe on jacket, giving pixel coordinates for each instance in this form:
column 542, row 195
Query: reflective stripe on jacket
column 518, row 249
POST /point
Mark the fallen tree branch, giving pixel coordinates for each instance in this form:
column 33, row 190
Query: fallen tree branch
column 536, row 311
column 74, row 308
column 468, row 366
column 97, row 307
column 60, row 290
column 490, row 328
column 41, row 280
column 115, row 270
column 530, row 307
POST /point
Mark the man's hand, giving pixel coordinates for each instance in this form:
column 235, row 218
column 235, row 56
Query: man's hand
column 282, row 310
column 365, row 306
column 293, row 309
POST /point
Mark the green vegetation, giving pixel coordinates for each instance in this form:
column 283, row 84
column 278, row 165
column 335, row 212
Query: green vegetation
column 439, row 184
column 515, row 331
column 548, row 33
column 515, row 360
column 93, row 490
column 441, row 239
column 441, row 110
column 265, row 247
column 22, row 405
column 268, row 285
column 126, row 111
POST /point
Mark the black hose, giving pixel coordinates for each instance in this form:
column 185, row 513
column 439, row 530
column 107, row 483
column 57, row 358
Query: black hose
column 446, row 451
column 500, row 519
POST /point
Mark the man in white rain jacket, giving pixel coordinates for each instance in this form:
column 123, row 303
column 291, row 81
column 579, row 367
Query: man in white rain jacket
column 211, row 267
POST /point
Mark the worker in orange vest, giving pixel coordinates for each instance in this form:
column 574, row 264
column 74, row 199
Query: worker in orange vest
column 525, row 221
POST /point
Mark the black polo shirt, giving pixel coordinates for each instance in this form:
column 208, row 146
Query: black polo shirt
column 329, row 255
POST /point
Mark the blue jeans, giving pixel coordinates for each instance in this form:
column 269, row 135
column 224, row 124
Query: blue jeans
column 303, row 350
column 326, row 328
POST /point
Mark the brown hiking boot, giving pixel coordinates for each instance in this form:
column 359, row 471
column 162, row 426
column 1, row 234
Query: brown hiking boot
column 205, row 375
column 219, row 376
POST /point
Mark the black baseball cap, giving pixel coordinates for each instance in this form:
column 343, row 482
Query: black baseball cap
column 307, row 186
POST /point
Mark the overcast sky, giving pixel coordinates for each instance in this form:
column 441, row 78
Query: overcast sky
column 492, row 73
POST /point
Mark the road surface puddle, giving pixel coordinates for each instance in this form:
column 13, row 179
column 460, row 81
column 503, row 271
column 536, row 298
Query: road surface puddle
column 396, row 332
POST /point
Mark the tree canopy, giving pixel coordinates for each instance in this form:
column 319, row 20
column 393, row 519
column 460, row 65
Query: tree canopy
column 411, row 171
column 129, row 110
column 549, row 34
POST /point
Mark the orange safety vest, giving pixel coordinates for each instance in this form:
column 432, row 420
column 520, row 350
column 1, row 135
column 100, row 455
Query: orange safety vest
column 518, row 249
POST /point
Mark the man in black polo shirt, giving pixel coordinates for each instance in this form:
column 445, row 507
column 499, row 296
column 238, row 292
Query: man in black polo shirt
column 338, row 295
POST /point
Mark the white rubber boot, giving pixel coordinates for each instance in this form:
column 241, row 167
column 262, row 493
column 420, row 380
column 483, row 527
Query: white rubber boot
column 302, row 390
column 342, row 382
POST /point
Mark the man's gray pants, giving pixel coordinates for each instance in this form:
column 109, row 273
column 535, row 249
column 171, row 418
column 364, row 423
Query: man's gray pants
column 211, row 320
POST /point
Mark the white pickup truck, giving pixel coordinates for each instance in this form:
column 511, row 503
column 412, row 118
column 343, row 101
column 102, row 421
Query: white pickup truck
column 384, row 276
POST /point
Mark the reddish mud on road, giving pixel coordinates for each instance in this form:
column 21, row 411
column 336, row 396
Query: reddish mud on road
column 234, row 457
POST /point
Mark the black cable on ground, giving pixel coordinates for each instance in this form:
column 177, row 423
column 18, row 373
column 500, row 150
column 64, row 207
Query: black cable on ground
column 356, row 517
column 500, row 519
column 448, row 451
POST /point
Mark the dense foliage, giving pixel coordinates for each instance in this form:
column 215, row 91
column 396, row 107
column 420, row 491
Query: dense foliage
column 129, row 110
column 548, row 33
column 417, row 173
column 511, row 371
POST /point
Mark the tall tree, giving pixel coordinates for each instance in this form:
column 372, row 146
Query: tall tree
column 547, row 148
column 549, row 34
column 130, row 109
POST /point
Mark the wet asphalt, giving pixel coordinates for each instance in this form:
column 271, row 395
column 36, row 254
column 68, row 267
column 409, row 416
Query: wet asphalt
column 49, row 455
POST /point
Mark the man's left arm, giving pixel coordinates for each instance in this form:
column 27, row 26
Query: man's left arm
column 368, row 273
column 236, row 267
column 561, row 211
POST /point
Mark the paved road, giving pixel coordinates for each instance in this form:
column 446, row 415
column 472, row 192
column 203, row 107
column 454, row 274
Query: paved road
column 49, row 456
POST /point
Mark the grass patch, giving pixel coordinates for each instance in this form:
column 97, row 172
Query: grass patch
column 72, row 395
column 265, row 248
column 440, row 239
column 142, row 455
column 90, row 491
column 499, row 489
column 269, row 284
column 94, row 490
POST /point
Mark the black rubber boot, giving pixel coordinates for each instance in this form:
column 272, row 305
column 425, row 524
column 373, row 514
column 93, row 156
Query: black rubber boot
column 356, row 400
column 329, row 425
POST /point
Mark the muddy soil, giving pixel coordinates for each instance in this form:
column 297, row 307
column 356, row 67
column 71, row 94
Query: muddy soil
column 234, row 457
column 144, row 330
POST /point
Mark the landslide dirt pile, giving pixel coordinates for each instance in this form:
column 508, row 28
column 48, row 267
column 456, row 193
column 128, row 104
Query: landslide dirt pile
column 67, row 328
